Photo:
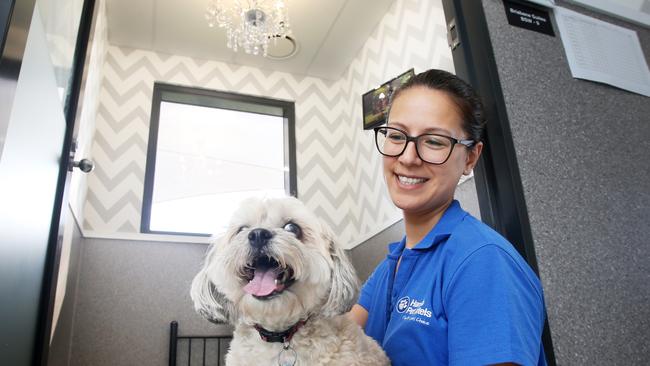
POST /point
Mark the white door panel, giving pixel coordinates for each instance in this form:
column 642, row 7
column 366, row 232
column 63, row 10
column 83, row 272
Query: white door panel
column 29, row 169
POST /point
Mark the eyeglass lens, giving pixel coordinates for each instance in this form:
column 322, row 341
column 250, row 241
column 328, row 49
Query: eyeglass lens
column 431, row 148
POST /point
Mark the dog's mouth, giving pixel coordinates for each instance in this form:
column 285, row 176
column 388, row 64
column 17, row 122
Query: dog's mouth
column 266, row 278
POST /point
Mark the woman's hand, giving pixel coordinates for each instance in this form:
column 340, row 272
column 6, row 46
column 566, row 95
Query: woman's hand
column 358, row 314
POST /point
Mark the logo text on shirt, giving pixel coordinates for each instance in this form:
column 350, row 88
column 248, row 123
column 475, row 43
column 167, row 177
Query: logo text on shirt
column 413, row 310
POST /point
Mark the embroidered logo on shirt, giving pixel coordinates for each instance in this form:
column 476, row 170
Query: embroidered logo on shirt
column 413, row 310
column 403, row 304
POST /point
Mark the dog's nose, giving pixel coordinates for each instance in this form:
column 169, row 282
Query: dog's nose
column 259, row 237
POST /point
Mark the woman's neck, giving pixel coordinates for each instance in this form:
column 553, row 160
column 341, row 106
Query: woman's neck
column 418, row 225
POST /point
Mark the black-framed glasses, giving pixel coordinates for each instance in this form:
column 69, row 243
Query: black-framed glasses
column 430, row 147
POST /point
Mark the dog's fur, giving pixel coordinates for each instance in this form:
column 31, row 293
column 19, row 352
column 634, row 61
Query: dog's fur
column 325, row 286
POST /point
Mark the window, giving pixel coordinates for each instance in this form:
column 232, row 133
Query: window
column 209, row 150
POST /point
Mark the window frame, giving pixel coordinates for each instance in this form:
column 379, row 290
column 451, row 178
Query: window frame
column 158, row 96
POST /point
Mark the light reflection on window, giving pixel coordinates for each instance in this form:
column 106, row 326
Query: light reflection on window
column 208, row 160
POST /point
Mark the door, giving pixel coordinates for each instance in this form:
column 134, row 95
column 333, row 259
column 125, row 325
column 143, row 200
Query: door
column 35, row 139
column 498, row 183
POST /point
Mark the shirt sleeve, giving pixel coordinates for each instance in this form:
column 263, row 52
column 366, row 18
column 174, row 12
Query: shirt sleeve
column 495, row 310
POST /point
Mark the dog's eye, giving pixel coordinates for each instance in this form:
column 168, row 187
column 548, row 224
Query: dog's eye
column 293, row 228
column 240, row 229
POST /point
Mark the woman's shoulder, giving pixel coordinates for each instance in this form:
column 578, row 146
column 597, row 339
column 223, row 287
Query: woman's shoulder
column 471, row 234
column 472, row 238
column 474, row 241
column 466, row 231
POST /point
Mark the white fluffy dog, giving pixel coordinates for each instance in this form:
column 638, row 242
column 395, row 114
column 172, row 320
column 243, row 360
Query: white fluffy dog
column 279, row 277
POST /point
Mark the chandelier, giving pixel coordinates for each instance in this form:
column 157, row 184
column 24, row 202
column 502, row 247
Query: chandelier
column 250, row 24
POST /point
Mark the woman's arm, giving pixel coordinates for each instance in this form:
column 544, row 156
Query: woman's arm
column 358, row 314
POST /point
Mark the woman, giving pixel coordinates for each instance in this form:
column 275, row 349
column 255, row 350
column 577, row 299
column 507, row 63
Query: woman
column 453, row 291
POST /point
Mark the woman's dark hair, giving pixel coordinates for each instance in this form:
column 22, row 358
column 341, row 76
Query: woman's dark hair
column 462, row 94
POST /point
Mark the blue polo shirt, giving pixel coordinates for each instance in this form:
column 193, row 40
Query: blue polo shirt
column 461, row 296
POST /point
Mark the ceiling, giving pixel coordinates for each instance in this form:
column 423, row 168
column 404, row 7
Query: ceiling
column 329, row 33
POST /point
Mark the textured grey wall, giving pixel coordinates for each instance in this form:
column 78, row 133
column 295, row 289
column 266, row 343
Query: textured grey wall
column 582, row 154
column 128, row 293
column 466, row 195
column 59, row 354
column 368, row 254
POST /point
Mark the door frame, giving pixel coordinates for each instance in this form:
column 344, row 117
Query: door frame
column 57, row 227
column 15, row 20
column 498, row 183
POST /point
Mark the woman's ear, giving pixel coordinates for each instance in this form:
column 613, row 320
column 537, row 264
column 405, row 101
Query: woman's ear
column 472, row 157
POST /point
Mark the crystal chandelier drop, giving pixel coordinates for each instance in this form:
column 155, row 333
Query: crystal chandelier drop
column 250, row 24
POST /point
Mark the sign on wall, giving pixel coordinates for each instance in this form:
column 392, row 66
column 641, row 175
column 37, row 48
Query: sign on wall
column 530, row 18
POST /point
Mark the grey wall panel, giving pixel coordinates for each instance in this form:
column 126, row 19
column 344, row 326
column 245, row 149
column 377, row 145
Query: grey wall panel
column 582, row 150
column 368, row 254
column 60, row 344
column 467, row 196
column 129, row 292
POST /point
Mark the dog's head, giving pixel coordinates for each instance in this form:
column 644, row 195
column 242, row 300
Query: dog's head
column 276, row 264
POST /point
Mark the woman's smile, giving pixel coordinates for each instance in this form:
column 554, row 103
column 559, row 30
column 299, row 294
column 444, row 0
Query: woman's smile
column 410, row 182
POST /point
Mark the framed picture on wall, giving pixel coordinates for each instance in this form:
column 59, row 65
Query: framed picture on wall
column 375, row 102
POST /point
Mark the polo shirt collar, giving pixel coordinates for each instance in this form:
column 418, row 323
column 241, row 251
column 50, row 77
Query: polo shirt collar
column 439, row 233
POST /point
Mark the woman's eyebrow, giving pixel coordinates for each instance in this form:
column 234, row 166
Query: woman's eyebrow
column 427, row 130
column 395, row 124
column 437, row 130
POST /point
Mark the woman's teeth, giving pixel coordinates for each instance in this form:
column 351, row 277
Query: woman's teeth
column 410, row 181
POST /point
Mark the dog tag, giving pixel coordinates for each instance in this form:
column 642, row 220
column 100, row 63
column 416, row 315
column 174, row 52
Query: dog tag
column 287, row 356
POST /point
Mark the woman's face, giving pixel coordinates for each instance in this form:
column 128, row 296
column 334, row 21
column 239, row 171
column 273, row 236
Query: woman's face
column 415, row 186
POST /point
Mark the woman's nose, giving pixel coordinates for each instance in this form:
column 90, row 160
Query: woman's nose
column 410, row 154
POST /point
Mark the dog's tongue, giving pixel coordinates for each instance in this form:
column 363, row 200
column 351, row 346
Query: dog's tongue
column 263, row 282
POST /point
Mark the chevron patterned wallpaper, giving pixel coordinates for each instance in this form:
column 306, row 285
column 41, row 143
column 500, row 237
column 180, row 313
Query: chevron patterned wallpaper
column 339, row 174
column 411, row 34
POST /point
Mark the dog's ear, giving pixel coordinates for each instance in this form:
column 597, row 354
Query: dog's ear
column 208, row 301
column 345, row 283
